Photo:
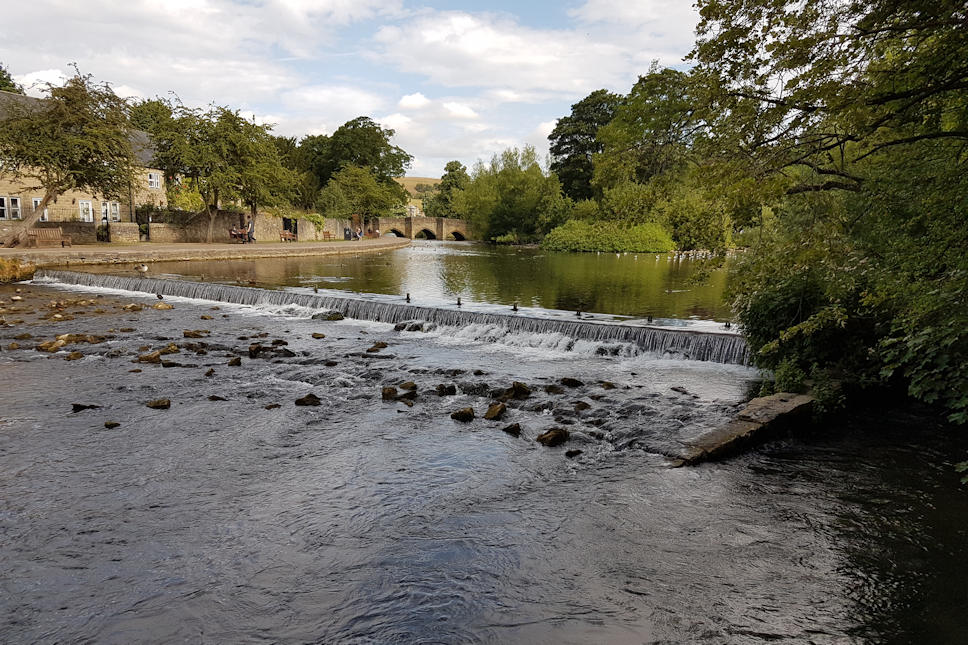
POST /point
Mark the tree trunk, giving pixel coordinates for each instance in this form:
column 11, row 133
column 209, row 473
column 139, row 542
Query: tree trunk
column 18, row 232
column 212, row 214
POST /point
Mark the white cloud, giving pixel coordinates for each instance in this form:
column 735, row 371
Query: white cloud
column 413, row 101
column 460, row 110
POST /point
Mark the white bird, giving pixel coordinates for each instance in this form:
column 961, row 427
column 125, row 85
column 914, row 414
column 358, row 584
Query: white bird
column 142, row 268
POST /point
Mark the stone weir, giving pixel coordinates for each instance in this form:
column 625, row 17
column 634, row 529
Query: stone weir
column 679, row 343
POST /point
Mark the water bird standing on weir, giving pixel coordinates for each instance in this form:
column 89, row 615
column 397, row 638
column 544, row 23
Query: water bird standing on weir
column 408, row 297
column 515, row 307
column 458, row 301
column 649, row 319
column 142, row 268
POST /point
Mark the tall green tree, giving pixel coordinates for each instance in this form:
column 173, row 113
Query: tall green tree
column 446, row 201
column 854, row 115
column 76, row 139
column 356, row 191
column 7, row 84
column 575, row 140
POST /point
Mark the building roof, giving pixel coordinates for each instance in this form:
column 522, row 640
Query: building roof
column 144, row 150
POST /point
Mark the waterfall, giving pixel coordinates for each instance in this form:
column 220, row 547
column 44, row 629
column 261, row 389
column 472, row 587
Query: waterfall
column 682, row 343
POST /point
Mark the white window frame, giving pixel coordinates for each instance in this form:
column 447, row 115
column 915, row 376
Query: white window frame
column 154, row 180
column 3, row 208
column 35, row 202
column 81, row 203
column 115, row 211
column 15, row 212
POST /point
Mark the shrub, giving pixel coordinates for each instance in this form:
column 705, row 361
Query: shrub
column 581, row 235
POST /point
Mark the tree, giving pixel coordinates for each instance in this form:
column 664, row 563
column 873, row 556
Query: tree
column 362, row 143
column 445, row 203
column 77, row 139
column 855, row 113
column 7, row 84
column 356, row 191
column 574, row 141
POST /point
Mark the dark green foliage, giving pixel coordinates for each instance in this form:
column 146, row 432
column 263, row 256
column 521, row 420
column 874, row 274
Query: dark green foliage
column 7, row 84
column 446, row 201
column 583, row 235
column 574, row 141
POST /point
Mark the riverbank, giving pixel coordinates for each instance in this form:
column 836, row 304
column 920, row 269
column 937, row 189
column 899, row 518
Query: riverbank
column 150, row 252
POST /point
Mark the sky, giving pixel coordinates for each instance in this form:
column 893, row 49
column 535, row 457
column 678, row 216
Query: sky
column 454, row 79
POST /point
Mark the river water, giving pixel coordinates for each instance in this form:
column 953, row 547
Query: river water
column 370, row 521
column 434, row 273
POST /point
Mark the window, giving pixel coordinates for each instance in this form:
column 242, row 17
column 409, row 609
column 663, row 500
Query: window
column 35, row 203
column 87, row 213
column 15, row 208
column 115, row 212
column 154, row 180
column 3, row 208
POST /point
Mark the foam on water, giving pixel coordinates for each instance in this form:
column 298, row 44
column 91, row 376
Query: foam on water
column 548, row 332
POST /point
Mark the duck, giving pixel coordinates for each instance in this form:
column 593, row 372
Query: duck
column 142, row 268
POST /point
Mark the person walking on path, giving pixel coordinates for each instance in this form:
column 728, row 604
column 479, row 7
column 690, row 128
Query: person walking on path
column 250, row 230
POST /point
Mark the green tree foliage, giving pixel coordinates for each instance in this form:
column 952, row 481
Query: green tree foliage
column 356, row 191
column 362, row 143
column 574, row 141
column 77, row 139
column 7, row 84
column 446, row 202
column 851, row 123
column 584, row 235
column 219, row 155
column 513, row 198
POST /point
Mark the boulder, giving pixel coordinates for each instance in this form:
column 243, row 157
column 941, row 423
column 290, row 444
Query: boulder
column 273, row 406
column 328, row 315
column 464, row 415
column 409, row 385
column 571, row 382
column 581, row 406
column 80, row 407
column 195, row 333
column 514, row 429
column 552, row 437
column 162, row 305
column 152, row 357
column 216, row 397
column 74, row 356
column 110, row 425
column 235, row 362
column 210, row 372
column 206, row 317
column 159, row 404
column 278, row 342
column 554, row 389
column 389, row 394
column 571, row 454
column 446, row 390
column 409, row 395
column 495, row 412
column 519, row 391
column 254, row 350
column 309, row 399
column 318, row 335
column 607, row 385
column 474, row 389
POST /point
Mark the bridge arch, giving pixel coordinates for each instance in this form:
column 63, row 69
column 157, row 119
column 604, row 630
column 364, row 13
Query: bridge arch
column 397, row 232
column 425, row 233
column 457, row 236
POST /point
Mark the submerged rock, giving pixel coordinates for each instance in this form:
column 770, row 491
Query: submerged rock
column 390, row 394
column 309, row 399
column 318, row 335
column 162, row 305
column 328, row 315
column 272, row 406
column 408, row 385
column 74, row 356
column 235, row 362
column 571, row 382
column 464, row 415
column 80, row 407
column 552, row 437
column 554, row 389
column 159, row 404
column 110, row 425
column 195, row 333
column 514, row 429
column 571, row 454
column 446, row 390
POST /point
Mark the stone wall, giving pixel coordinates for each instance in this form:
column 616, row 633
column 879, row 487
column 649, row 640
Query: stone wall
column 165, row 233
column 124, row 232
column 79, row 232
column 267, row 229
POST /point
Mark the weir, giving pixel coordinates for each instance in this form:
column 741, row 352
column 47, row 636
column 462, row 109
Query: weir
column 682, row 343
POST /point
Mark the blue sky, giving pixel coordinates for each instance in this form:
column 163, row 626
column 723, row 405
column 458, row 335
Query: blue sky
column 455, row 80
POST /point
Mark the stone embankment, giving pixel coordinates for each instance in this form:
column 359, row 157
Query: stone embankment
column 759, row 420
column 150, row 252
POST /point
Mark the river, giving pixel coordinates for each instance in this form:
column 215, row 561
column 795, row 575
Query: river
column 227, row 519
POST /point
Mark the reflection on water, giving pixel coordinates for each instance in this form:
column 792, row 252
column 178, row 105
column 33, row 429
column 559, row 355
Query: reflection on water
column 637, row 285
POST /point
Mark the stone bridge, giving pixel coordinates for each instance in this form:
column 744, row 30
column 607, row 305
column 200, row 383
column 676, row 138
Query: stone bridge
column 432, row 228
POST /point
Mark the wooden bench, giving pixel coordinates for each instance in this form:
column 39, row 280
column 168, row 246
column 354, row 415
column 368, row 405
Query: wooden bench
column 47, row 237
column 327, row 235
column 287, row 236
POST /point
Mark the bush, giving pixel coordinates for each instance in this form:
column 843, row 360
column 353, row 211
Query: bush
column 580, row 235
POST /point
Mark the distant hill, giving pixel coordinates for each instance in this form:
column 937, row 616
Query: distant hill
column 410, row 183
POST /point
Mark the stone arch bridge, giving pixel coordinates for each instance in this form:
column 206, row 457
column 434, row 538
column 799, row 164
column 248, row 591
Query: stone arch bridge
column 433, row 228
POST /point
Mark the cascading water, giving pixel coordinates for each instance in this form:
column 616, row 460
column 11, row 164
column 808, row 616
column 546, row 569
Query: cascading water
column 684, row 343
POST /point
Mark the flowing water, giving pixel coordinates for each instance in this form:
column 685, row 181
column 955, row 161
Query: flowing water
column 226, row 519
column 436, row 273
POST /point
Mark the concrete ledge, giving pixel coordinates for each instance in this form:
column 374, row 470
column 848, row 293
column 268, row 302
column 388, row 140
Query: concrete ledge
column 760, row 419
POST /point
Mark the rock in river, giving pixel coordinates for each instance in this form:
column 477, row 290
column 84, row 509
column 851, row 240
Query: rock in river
column 464, row 415
column 309, row 399
column 495, row 412
column 159, row 404
column 553, row 437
